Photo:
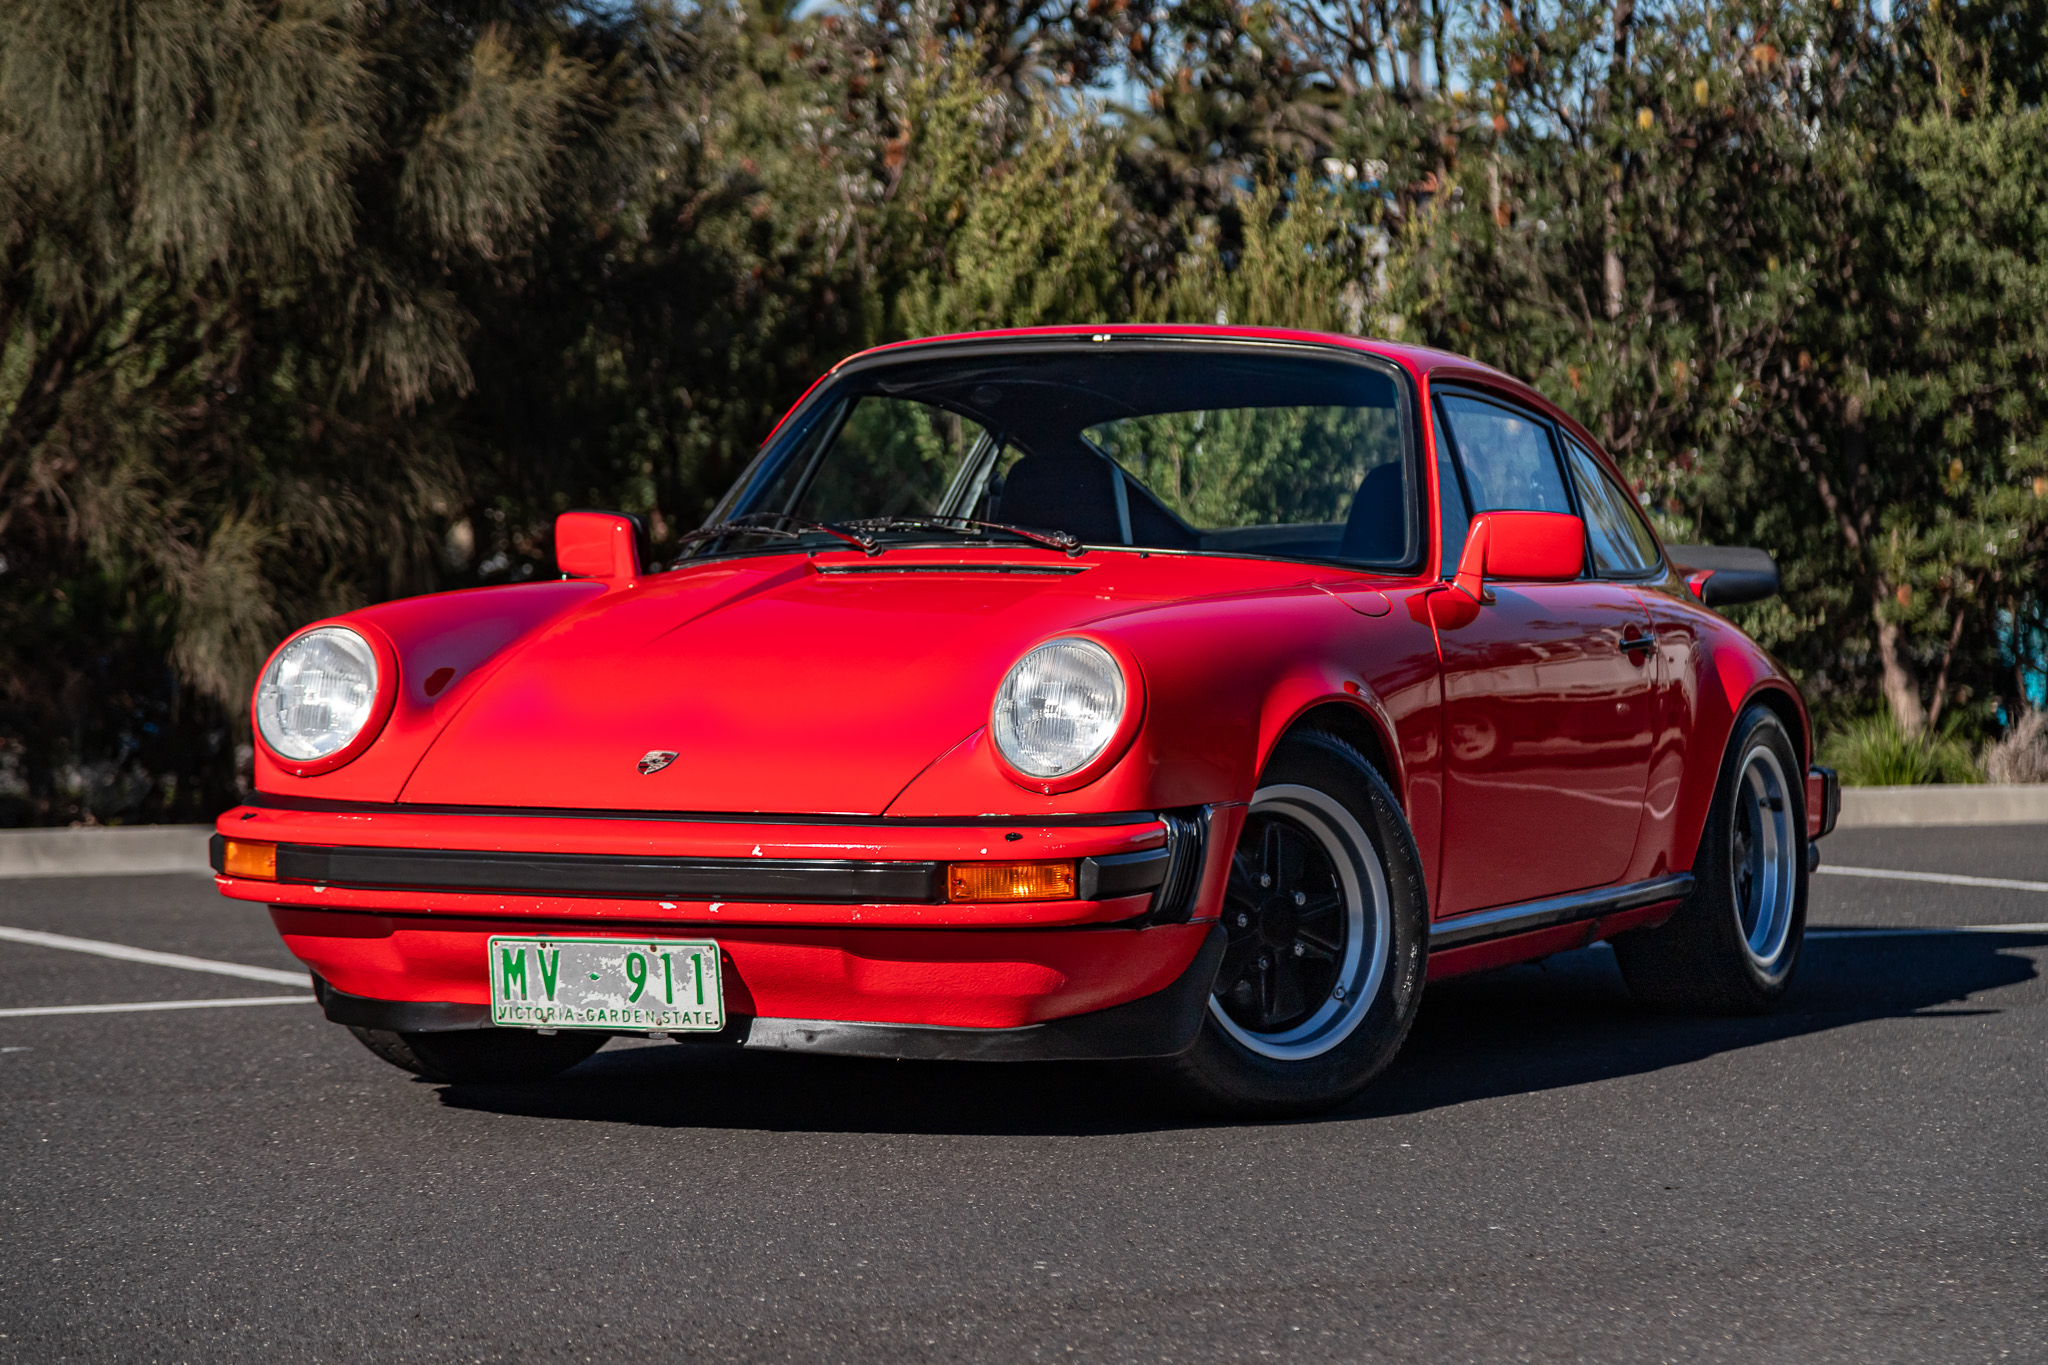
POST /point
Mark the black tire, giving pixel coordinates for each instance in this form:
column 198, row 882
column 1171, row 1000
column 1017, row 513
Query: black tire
column 487, row 1054
column 1732, row 946
column 1326, row 818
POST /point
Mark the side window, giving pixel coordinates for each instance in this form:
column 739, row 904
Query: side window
column 1616, row 535
column 1456, row 515
column 1509, row 463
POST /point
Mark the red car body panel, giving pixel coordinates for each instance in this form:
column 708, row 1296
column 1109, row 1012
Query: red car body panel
column 869, row 677
column 821, row 709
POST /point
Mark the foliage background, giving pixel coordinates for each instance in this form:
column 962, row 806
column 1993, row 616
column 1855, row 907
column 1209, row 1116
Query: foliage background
column 307, row 303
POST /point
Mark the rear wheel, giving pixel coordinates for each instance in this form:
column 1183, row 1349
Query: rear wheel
column 1732, row 945
column 1328, row 935
column 480, row 1054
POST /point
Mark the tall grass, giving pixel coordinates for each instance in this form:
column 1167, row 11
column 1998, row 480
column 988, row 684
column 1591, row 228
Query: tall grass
column 1876, row 752
column 2022, row 755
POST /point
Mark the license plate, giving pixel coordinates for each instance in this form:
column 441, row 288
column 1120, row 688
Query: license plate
column 655, row 985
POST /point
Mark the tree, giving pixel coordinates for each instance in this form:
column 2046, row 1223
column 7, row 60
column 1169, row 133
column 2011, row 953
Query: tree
column 236, row 237
column 305, row 303
column 1788, row 291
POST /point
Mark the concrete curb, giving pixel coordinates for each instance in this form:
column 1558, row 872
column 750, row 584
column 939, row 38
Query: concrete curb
column 1892, row 807
column 125, row 850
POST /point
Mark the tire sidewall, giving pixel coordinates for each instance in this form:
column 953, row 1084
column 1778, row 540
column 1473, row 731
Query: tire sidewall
column 1236, row 1079
column 1718, row 905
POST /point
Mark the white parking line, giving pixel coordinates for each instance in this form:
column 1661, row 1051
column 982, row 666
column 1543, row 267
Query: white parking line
column 156, row 1005
column 1943, row 878
column 155, row 959
column 1885, row 931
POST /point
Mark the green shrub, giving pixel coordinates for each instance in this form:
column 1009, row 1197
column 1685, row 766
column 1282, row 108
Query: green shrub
column 1876, row 752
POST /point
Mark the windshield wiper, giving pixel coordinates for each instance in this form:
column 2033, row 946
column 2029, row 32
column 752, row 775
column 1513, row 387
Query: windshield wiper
column 786, row 526
column 860, row 534
column 1063, row 541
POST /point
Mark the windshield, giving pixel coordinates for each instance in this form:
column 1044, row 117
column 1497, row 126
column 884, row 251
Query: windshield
column 1211, row 449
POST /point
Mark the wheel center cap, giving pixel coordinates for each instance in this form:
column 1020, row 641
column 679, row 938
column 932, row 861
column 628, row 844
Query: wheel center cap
column 1277, row 920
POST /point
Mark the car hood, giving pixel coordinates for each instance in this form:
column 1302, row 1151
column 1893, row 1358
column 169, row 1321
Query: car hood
column 782, row 684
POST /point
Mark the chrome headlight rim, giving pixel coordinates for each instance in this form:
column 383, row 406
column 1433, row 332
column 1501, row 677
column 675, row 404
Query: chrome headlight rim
column 1120, row 734
column 384, row 688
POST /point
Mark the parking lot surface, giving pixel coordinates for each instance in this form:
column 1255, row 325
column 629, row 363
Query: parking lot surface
column 1547, row 1172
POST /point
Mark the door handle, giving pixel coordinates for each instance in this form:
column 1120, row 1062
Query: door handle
column 1631, row 643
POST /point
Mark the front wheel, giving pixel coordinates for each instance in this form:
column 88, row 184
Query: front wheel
column 1328, row 930
column 485, row 1054
column 1731, row 947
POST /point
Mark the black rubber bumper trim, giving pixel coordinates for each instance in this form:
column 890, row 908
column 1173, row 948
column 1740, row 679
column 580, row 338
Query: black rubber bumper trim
column 810, row 881
column 399, row 1016
column 1121, row 874
column 1163, row 1024
column 807, row 881
column 1187, row 843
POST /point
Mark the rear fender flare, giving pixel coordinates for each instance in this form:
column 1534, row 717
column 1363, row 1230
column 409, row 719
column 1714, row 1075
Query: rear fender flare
column 1751, row 682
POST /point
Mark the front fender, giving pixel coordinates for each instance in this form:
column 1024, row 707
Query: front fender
column 1225, row 680
column 446, row 644
column 1344, row 699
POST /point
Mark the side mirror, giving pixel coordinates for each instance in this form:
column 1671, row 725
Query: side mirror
column 1543, row 546
column 1723, row 575
column 598, row 545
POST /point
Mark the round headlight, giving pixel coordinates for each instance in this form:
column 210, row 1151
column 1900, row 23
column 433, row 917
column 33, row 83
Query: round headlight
column 1058, row 708
column 317, row 693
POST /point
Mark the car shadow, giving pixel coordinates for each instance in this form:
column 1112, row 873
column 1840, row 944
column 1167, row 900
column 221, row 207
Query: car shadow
column 1565, row 1021
column 1569, row 1020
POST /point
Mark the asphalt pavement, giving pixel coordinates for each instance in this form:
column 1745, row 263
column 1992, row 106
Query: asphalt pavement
column 1547, row 1173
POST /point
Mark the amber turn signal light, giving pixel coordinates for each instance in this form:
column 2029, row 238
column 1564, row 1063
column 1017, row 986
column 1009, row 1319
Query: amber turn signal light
column 244, row 859
column 1010, row 882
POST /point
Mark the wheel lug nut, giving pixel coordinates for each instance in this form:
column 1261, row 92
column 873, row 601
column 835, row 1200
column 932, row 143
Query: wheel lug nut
column 1265, row 879
column 1299, row 950
column 1301, row 898
column 1243, row 920
column 1264, row 963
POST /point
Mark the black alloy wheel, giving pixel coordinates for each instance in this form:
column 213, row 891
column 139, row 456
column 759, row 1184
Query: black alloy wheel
column 1327, row 941
column 1732, row 946
column 1284, row 913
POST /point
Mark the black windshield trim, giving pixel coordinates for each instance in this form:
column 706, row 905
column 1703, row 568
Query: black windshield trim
column 828, row 396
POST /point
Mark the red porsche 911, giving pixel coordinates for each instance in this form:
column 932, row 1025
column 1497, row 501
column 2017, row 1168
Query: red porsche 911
column 1182, row 694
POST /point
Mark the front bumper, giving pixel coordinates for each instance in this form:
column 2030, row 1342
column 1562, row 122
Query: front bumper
column 1161, row 1024
column 833, row 937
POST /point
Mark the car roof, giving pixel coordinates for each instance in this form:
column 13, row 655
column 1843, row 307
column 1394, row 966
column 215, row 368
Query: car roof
column 1421, row 361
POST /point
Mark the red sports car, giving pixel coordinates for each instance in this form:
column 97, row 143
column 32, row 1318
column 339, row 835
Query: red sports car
column 1184, row 694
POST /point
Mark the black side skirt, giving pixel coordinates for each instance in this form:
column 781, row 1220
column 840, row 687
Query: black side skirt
column 1163, row 1024
column 1509, row 920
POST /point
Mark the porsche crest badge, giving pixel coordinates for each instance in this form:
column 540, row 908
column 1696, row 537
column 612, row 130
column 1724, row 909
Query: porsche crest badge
column 654, row 760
